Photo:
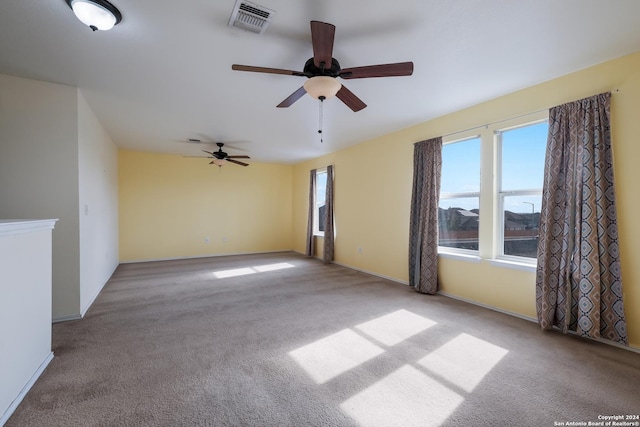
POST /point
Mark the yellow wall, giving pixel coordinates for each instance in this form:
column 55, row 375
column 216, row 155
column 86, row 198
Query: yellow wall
column 373, row 192
column 170, row 204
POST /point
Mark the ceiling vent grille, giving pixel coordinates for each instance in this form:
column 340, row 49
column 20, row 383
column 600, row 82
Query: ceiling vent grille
column 250, row 17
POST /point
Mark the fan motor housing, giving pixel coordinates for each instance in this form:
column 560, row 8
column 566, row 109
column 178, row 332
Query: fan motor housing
column 310, row 69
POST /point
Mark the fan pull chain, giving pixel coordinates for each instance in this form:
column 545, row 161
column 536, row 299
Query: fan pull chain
column 321, row 98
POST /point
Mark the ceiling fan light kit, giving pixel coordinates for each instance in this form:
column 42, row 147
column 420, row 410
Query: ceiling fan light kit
column 96, row 14
column 322, row 86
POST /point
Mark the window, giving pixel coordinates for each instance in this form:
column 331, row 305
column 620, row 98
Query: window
column 321, row 192
column 497, row 168
column 459, row 207
column 521, row 152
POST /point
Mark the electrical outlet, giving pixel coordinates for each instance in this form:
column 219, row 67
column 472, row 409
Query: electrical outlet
column 207, row 240
column 360, row 249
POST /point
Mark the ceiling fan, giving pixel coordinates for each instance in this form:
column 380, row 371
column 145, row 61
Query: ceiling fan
column 323, row 69
column 220, row 157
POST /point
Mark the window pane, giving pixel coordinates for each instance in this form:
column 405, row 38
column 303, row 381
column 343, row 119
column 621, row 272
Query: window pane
column 321, row 192
column 321, row 187
column 461, row 167
column 521, row 225
column 523, row 152
column 458, row 222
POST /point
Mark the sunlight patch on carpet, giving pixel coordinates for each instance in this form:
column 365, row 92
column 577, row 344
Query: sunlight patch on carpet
column 406, row 397
column 251, row 270
column 464, row 361
column 273, row 267
column 233, row 273
column 395, row 327
column 331, row 356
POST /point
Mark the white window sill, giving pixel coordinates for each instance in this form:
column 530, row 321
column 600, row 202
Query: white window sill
column 459, row 256
column 516, row 265
column 523, row 265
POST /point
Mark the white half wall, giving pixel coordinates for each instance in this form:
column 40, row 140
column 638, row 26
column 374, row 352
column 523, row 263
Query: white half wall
column 98, row 210
column 25, row 308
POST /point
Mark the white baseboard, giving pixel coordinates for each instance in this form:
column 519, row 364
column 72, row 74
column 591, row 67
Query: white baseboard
column 446, row 294
column 490, row 307
column 14, row 405
column 534, row 320
column 393, row 279
column 66, row 318
column 84, row 310
column 608, row 342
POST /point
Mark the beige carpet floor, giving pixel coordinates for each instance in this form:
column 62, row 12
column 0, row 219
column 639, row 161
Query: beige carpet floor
column 284, row 340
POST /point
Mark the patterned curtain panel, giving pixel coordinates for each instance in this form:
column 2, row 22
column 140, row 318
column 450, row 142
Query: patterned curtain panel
column 328, row 218
column 423, row 225
column 578, row 280
column 312, row 203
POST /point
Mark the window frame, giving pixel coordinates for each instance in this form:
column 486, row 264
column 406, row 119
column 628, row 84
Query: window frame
column 316, row 208
column 500, row 195
column 448, row 250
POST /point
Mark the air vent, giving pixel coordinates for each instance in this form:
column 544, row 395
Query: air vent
column 250, row 17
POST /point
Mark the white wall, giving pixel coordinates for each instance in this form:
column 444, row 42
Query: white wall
column 55, row 159
column 98, row 210
column 39, row 173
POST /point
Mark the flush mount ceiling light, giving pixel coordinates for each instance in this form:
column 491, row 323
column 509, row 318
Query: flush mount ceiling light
column 97, row 14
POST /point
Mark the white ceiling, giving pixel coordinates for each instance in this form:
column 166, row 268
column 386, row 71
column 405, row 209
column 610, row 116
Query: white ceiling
column 163, row 75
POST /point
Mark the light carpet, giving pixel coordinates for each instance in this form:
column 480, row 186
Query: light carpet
column 284, row 340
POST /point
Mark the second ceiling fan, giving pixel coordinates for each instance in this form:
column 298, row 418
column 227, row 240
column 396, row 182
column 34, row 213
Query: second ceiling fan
column 220, row 157
column 323, row 70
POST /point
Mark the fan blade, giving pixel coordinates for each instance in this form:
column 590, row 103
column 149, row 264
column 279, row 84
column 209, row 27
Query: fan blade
column 238, row 67
column 322, row 35
column 292, row 98
column 237, row 162
column 382, row 70
column 208, row 152
column 351, row 101
column 238, row 157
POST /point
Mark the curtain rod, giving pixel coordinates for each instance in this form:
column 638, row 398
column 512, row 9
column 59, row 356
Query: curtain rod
column 486, row 125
